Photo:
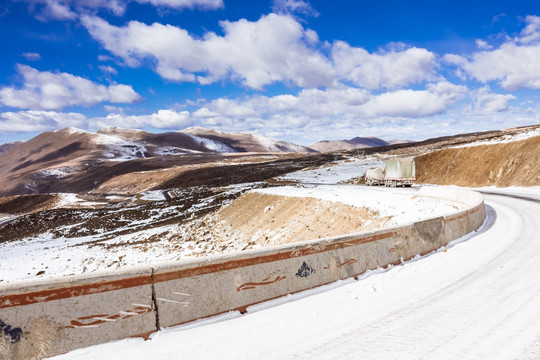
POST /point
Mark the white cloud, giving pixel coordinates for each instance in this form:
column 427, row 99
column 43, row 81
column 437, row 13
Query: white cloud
column 46, row 10
column 31, row 56
column 181, row 4
column 513, row 65
column 259, row 53
column 163, row 119
column 389, row 69
column 487, row 102
column 108, row 69
column 37, row 120
column 482, row 44
column 52, row 91
column 294, row 7
column 312, row 108
column 34, row 121
column 531, row 33
column 275, row 48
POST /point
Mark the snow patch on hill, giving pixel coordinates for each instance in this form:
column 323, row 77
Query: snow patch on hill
column 119, row 149
column 334, row 173
column 505, row 139
column 403, row 206
column 212, row 145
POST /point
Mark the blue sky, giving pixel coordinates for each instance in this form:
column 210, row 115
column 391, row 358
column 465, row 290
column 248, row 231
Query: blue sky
column 296, row 70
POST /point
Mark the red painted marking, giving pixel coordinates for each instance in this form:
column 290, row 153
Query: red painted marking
column 350, row 261
column 457, row 217
column 12, row 300
column 235, row 264
column 253, row 285
column 392, row 250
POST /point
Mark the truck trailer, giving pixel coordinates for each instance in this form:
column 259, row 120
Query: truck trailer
column 374, row 176
column 399, row 172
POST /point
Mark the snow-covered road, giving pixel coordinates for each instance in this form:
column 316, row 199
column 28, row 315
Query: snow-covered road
column 479, row 299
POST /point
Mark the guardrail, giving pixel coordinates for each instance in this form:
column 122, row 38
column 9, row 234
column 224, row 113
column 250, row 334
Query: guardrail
column 46, row 318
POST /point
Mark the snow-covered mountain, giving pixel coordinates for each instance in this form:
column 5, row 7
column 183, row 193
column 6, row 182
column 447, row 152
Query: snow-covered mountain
column 246, row 142
column 85, row 159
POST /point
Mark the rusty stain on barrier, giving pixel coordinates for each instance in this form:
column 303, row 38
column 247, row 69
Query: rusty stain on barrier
column 253, row 285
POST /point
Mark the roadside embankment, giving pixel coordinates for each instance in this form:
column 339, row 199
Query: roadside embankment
column 503, row 164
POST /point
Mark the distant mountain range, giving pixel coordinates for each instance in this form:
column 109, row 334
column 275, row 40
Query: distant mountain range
column 356, row 143
column 9, row 146
column 74, row 160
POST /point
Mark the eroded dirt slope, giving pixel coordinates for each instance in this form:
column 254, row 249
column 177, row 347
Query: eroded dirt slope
column 510, row 164
column 264, row 219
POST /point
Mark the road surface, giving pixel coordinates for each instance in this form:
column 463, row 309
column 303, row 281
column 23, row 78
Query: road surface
column 479, row 299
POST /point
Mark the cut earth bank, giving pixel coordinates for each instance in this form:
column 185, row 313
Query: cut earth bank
column 288, row 214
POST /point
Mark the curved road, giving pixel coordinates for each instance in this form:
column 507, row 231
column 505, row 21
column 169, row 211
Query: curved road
column 479, row 299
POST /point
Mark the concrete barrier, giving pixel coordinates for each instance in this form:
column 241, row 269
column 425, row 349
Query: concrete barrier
column 46, row 318
column 52, row 318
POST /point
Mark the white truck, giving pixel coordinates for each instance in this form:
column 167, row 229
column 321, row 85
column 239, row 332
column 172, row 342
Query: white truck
column 399, row 172
column 374, row 176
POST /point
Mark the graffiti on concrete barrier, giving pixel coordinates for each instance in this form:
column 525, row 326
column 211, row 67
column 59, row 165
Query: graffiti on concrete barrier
column 14, row 334
column 305, row 270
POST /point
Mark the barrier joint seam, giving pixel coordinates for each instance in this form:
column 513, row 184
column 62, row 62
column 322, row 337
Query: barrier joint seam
column 154, row 302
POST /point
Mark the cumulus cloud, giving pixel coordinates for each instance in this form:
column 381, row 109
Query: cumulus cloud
column 514, row 64
column 488, row 102
column 315, row 106
column 34, row 121
column 52, row 91
column 162, row 119
column 309, row 113
column 257, row 53
column 275, row 48
column 37, row 120
column 385, row 69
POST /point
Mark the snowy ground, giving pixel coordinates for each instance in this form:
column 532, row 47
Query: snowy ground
column 475, row 299
column 337, row 172
column 504, row 139
column 50, row 255
column 402, row 205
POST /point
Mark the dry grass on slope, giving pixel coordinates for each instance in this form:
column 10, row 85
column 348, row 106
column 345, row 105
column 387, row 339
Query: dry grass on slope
column 510, row 164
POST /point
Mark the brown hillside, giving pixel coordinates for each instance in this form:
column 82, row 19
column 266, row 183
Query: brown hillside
column 511, row 164
column 277, row 220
